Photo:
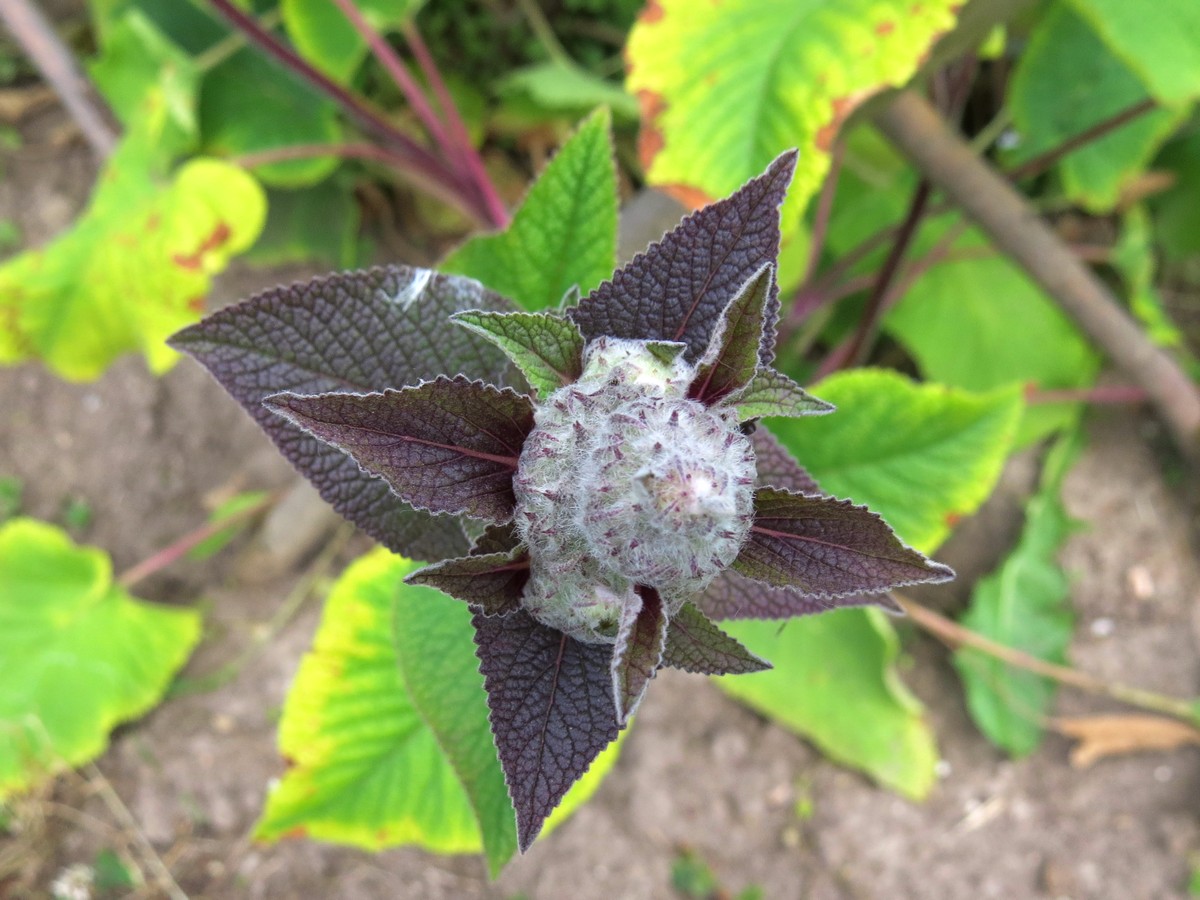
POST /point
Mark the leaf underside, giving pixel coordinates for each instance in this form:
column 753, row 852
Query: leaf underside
column 678, row 287
column 695, row 644
column 729, row 363
column 448, row 446
column 638, row 652
column 551, row 709
column 355, row 332
column 734, row 596
column 827, row 547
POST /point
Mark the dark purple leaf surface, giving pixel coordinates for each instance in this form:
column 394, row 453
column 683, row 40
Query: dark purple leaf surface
column 490, row 582
column 731, row 360
column 449, row 445
column 734, row 596
column 677, row 289
column 695, row 644
column 827, row 547
column 776, row 466
column 361, row 332
column 551, row 707
column 637, row 654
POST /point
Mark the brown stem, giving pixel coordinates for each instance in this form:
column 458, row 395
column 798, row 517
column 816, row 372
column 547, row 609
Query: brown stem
column 176, row 550
column 50, row 55
column 1016, row 229
column 955, row 635
column 824, row 209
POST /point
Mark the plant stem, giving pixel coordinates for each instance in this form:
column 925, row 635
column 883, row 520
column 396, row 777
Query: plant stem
column 1015, row 228
column 398, row 72
column 814, row 294
column 1044, row 161
column 419, row 163
column 824, row 209
column 955, row 635
column 493, row 206
column 291, row 152
column 50, row 55
column 860, row 343
column 176, row 550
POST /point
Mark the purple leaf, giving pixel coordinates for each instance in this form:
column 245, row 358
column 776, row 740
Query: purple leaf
column 551, row 707
column 641, row 636
column 447, row 446
column 776, row 467
column 695, row 644
column 490, row 582
column 731, row 359
column 828, row 548
column 360, row 332
column 677, row 289
column 734, row 596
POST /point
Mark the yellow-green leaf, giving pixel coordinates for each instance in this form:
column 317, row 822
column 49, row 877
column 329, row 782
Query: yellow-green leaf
column 78, row 655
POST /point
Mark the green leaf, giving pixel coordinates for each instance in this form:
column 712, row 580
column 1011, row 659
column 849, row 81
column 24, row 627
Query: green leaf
column 437, row 660
column 365, row 769
column 312, row 224
column 1176, row 213
column 564, row 234
column 387, row 727
column 834, row 683
column 1067, row 81
column 137, row 59
column 548, row 349
column 1134, row 257
column 776, row 75
column 1161, row 43
column 326, row 38
column 561, row 88
column 922, row 456
column 982, row 324
column 772, row 393
column 78, row 655
column 233, row 506
column 135, row 267
column 280, row 111
column 1023, row 605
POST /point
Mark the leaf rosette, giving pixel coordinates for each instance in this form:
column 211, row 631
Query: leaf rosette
column 629, row 498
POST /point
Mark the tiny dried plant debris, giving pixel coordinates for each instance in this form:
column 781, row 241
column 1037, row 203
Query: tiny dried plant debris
column 627, row 498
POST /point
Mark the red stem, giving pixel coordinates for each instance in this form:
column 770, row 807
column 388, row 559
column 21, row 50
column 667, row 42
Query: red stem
column 175, row 551
column 461, row 138
column 395, row 67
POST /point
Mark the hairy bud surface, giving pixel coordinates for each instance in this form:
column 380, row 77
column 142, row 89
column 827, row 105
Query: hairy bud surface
column 624, row 482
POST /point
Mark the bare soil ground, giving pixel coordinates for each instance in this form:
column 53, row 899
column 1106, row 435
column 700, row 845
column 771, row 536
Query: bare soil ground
column 699, row 771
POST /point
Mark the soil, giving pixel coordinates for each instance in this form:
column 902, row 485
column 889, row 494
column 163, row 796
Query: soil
column 699, row 771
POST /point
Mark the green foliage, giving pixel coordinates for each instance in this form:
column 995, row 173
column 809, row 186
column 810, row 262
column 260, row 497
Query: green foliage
column 280, row 112
column 1023, row 605
column 1065, row 82
column 546, row 348
column 386, row 727
column 562, row 88
column 323, row 36
column 11, row 490
column 563, row 236
column 1134, row 258
column 779, row 75
column 835, row 683
column 1176, row 213
column 1160, row 44
column 136, row 266
column 78, row 655
column 317, row 223
column 922, row 456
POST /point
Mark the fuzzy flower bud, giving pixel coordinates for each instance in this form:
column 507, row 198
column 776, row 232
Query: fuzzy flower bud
column 625, row 482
